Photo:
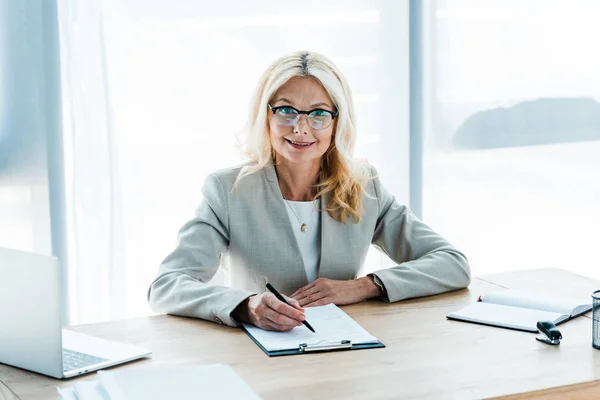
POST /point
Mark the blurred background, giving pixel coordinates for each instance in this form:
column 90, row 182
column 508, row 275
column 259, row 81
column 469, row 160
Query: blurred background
column 483, row 117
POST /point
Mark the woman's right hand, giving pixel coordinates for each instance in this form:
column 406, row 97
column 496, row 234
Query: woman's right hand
column 265, row 311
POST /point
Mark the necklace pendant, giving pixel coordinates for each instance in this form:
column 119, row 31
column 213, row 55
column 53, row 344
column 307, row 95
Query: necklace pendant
column 304, row 227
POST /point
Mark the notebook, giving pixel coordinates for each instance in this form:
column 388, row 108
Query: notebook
column 334, row 330
column 521, row 310
column 182, row 383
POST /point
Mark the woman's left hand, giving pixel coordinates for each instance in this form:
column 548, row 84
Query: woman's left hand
column 324, row 291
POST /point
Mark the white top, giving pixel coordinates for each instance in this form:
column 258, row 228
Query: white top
column 309, row 242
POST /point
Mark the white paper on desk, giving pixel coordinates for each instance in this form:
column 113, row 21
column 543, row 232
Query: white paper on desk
column 331, row 325
column 85, row 390
column 90, row 390
column 214, row 381
column 66, row 393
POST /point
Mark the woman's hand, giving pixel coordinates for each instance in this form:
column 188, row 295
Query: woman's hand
column 267, row 312
column 324, row 291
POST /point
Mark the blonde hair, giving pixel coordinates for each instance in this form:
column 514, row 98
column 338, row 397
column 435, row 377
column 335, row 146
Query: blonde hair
column 341, row 176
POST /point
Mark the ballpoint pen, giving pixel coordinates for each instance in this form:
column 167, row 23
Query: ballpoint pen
column 282, row 299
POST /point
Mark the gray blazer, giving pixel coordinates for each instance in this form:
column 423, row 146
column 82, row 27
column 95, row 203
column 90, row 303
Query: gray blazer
column 248, row 232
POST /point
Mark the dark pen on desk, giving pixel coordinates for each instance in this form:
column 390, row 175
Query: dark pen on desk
column 282, row 299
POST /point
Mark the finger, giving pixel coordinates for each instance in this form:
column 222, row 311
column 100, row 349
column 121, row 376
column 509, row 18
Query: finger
column 321, row 302
column 275, row 318
column 267, row 325
column 282, row 308
column 312, row 291
column 299, row 290
column 310, row 285
column 278, row 328
column 294, row 303
column 311, row 298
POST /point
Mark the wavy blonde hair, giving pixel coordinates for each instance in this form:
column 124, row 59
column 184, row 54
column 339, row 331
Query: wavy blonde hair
column 341, row 176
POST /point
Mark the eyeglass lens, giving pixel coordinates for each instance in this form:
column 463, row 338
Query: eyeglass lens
column 317, row 119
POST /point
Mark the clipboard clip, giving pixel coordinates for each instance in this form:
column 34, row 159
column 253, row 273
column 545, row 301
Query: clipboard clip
column 323, row 346
column 549, row 333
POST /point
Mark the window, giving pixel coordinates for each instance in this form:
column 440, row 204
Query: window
column 511, row 160
column 172, row 93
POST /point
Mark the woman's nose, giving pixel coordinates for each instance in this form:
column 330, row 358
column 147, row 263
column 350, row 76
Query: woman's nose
column 302, row 125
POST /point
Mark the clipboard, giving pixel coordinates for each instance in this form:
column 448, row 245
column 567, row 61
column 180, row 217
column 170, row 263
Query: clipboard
column 308, row 348
column 335, row 331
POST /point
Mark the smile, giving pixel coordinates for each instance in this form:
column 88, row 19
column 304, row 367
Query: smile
column 299, row 145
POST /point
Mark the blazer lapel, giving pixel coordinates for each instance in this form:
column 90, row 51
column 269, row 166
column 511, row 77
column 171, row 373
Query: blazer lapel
column 327, row 225
column 338, row 246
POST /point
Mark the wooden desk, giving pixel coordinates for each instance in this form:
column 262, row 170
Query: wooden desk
column 427, row 356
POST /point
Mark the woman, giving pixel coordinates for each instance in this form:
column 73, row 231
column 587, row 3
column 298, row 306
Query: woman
column 300, row 214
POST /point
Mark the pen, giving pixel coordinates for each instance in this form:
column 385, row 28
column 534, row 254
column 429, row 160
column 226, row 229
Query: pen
column 282, row 299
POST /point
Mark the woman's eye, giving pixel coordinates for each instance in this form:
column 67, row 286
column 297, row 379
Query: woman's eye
column 319, row 113
column 287, row 110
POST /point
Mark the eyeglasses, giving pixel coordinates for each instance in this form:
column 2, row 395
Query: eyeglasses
column 289, row 116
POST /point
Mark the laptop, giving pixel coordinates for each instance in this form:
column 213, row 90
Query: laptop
column 32, row 337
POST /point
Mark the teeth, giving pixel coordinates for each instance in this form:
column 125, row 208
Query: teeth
column 300, row 144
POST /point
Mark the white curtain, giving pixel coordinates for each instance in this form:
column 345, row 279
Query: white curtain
column 94, row 201
column 154, row 94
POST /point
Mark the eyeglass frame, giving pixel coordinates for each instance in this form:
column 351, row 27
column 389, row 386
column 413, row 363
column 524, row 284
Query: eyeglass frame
column 333, row 114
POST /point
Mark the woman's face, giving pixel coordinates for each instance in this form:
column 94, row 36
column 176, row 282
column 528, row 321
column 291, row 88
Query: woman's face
column 301, row 142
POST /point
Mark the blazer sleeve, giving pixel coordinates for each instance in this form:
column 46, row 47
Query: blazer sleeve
column 427, row 263
column 181, row 286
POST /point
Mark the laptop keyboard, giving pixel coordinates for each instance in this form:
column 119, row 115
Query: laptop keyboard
column 75, row 360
